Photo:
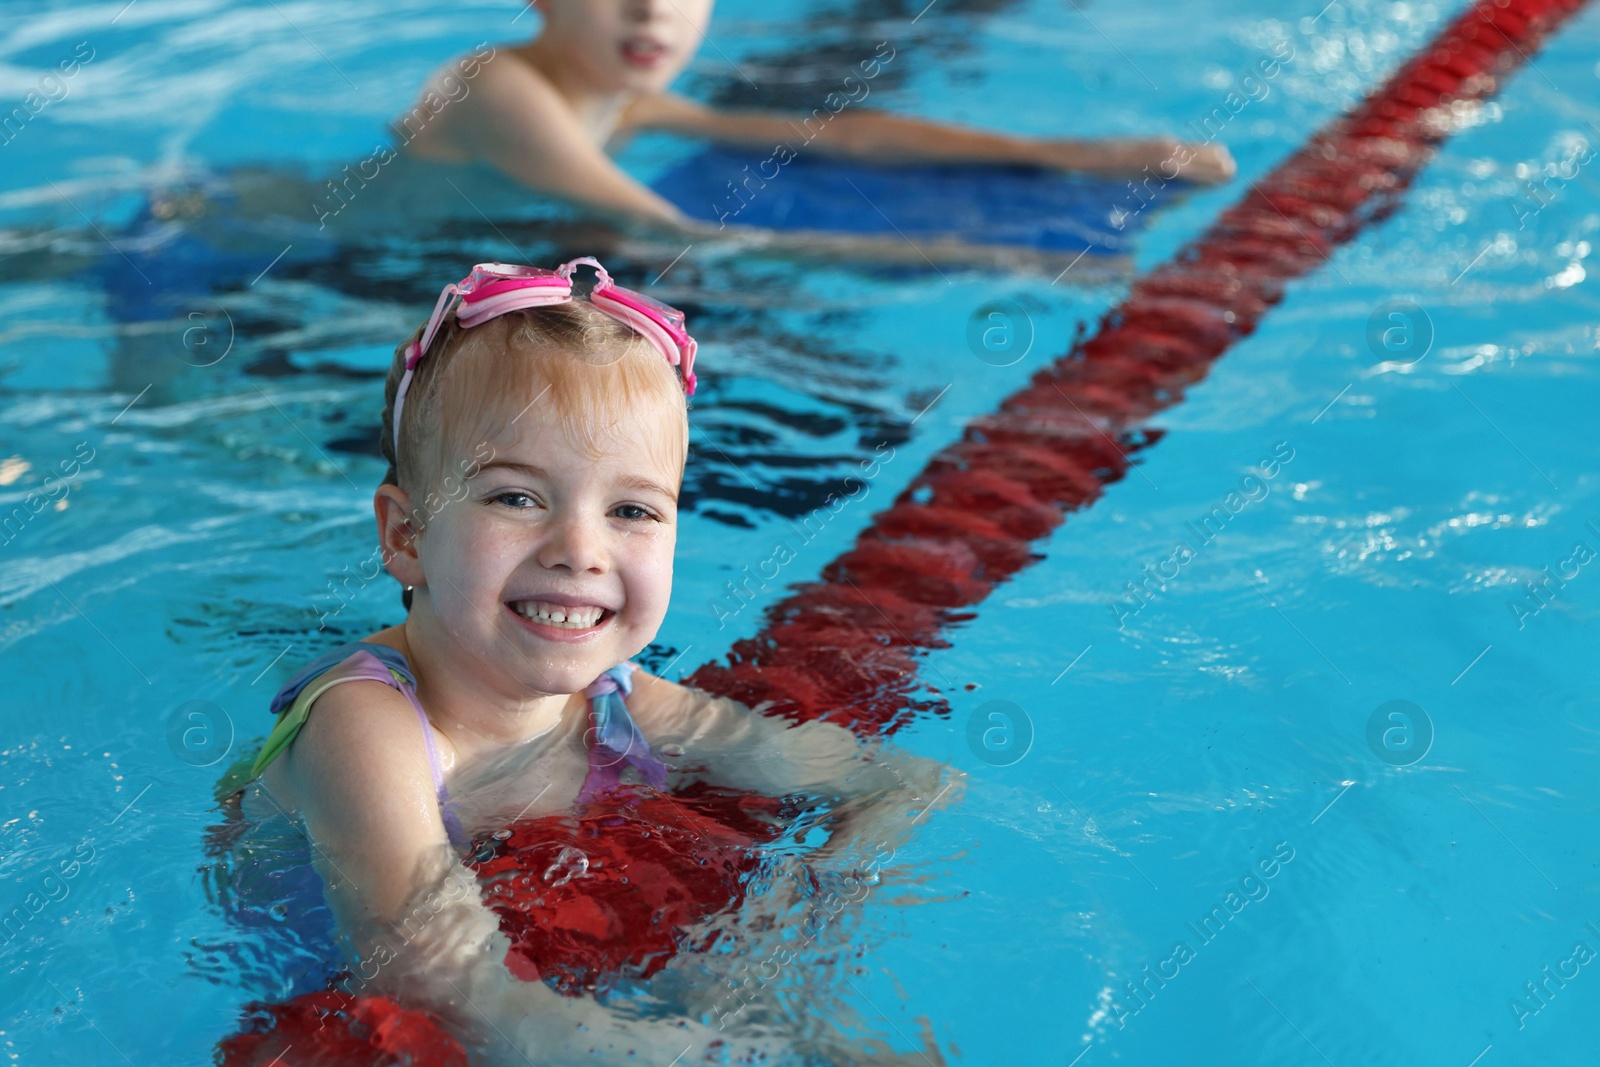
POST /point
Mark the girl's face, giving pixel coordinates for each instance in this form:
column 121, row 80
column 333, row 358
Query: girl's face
column 626, row 45
column 557, row 564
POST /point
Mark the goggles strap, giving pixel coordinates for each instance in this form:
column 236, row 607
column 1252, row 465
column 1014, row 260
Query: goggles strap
column 471, row 313
column 566, row 269
column 400, row 402
column 641, row 324
column 414, row 356
column 440, row 309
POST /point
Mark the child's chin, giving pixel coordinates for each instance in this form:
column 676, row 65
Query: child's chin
column 572, row 671
column 646, row 79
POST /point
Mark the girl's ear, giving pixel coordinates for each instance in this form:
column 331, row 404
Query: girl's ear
column 397, row 535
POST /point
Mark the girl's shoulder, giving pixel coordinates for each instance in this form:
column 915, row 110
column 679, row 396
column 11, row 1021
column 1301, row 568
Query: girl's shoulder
column 365, row 730
column 668, row 711
column 370, row 660
column 355, row 661
column 647, row 694
column 488, row 68
column 454, row 92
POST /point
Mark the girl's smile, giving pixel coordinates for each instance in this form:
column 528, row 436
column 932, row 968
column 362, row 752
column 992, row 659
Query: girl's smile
column 643, row 52
column 574, row 622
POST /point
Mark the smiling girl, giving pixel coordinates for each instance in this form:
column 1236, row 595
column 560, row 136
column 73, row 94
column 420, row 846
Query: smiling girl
column 509, row 689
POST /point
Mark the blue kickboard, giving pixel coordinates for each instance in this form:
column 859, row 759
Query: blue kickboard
column 981, row 204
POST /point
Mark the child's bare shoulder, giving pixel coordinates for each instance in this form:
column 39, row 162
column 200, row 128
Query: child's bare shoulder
column 478, row 90
column 668, row 710
column 655, row 699
column 360, row 739
column 504, row 68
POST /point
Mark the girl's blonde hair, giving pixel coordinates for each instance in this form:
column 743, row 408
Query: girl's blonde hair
column 570, row 361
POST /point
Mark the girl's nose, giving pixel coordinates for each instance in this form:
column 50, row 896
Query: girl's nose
column 646, row 11
column 575, row 544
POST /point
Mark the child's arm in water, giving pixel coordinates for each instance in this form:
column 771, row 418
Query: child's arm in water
column 359, row 775
column 515, row 119
column 880, row 794
column 879, row 137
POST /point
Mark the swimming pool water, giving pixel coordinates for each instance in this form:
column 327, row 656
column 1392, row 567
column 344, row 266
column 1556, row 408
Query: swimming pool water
column 1219, row 733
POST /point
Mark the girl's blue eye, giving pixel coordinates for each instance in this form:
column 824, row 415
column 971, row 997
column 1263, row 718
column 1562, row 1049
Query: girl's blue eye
column 517, row 500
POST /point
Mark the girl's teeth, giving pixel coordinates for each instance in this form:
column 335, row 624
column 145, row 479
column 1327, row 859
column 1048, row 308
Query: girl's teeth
column 559, row 615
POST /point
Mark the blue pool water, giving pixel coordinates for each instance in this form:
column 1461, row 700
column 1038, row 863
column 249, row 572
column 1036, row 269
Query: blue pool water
column 1219, row 733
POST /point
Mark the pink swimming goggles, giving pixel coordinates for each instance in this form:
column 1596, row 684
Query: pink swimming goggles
column 493, row 289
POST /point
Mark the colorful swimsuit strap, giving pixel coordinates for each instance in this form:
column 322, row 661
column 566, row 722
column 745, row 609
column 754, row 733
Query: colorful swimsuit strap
column 615, row 738
column 447, row 809
column 355, row 661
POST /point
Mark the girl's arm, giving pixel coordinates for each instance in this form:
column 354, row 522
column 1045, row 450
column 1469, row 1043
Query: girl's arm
column 881, row 793
column 414, row 915
column 877, row 136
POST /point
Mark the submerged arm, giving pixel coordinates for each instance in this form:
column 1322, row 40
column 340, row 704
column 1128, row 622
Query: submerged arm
column 880, row 793
column 415, row 916
column 877, row 136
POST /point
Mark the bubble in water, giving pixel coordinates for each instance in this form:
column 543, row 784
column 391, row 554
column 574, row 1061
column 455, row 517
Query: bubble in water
column 569, row 863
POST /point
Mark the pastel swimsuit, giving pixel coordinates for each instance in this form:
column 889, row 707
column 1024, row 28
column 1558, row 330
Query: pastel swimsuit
column 615, row 740
column 615, row 888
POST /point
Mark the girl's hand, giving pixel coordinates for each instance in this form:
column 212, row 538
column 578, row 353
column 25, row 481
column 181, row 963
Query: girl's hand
column 866, row 830
column 1207, row 163
column 1163, row 158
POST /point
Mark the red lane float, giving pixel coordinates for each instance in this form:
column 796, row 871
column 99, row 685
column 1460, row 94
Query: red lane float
column 617, row 890
column 329, row 1028
column 621, row 889
column 844, row 648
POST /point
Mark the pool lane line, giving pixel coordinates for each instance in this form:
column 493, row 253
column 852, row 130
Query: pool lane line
column 846, row 648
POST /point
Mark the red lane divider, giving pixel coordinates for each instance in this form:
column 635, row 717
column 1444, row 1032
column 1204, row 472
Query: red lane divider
column 845, row 648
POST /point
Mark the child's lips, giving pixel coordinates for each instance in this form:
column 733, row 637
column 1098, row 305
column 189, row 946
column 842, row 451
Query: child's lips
column 562, row 632
column 642, row 52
